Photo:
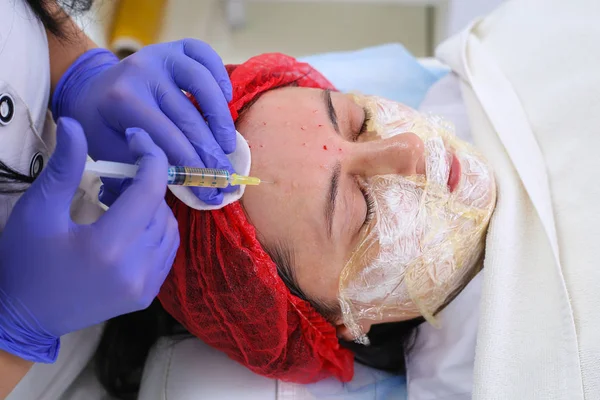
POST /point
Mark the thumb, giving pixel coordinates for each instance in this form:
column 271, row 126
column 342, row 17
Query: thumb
column 59, row 181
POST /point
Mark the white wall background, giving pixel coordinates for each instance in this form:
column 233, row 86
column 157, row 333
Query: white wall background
column 460, row 12
column 302, row 27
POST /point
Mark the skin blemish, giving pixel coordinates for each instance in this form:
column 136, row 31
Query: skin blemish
column 250, row 146
column 262, row 145
column 340, row 150
column 324, row 147
column 315, row 111
column 304, row 144
column 320, row 125
column 264, row 123
column 303, row 127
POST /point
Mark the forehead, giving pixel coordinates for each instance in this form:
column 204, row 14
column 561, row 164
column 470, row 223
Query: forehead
column 293, row 144
column 291, row 136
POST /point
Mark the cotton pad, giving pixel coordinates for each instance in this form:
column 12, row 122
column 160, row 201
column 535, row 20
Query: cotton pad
column 240, row 160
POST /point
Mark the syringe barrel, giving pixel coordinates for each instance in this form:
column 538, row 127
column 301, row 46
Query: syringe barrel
column 203, row 177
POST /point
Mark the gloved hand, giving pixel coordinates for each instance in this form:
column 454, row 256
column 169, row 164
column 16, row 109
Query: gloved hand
column 56, row 276
column 144, row 90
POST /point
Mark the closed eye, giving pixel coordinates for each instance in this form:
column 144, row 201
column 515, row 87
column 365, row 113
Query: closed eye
column 370, row 204
column 366, row 119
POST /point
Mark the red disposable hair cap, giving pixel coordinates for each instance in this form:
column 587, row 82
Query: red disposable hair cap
column 224, row 288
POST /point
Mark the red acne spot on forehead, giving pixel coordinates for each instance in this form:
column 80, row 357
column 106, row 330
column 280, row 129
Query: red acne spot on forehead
column 303, row 127
column 262, row 145
column 304, row 144
column 264, row 123
column 340, row 149
column 324, row 147
column 315, row 111
column 320, row 125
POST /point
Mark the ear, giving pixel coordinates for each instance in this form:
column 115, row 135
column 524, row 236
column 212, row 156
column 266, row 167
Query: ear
column 343, row 332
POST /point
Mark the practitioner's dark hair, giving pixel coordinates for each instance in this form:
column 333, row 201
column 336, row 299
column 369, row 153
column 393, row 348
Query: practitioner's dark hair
column 53, row 20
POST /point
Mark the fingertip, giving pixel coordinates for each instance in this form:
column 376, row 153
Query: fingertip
column 223, row 130
column 230, row 189
column 224, row 133
column 227, row 165
column 70, row 131
column 141, row 145
column 211, row 197
column 227, row 89
column 192, row 161
column 228, row 145
column 130, row 133
column 68, row 124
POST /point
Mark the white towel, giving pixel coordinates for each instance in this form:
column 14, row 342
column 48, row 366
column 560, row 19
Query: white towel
column 531, row 86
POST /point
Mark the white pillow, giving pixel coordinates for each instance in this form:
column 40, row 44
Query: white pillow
column 188, row 368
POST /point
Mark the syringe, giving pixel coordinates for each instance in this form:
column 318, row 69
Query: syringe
column 182, row 176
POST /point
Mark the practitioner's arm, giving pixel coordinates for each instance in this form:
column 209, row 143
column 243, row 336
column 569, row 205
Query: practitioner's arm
column 12, row 370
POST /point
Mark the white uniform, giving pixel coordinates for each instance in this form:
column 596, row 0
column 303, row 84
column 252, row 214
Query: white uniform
column 27, row 138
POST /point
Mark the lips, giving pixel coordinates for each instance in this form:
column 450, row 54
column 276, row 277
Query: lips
column 455, row 172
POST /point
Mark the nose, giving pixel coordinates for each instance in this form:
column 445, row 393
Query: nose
column 400, row 155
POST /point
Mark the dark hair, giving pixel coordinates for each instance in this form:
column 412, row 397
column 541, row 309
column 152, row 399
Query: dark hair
column 12, row 181
column 53, row 21
column 124, row 346
column 282, row 255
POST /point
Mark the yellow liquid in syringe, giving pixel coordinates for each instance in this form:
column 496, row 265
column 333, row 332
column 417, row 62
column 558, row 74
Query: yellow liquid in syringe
column 207, row 177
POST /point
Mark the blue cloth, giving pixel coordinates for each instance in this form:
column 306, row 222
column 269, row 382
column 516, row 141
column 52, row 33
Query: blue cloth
column 388, row 71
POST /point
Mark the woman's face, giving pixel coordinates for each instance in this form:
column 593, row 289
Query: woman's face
column 310, row 143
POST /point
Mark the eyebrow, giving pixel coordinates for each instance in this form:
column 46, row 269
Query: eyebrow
column 332, row 195
column 330, row 109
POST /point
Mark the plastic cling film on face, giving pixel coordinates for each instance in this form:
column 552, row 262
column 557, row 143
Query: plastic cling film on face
column 426, row 240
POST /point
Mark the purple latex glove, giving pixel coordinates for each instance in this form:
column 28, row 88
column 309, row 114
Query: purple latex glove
column 144, row 90
column 56, row 276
